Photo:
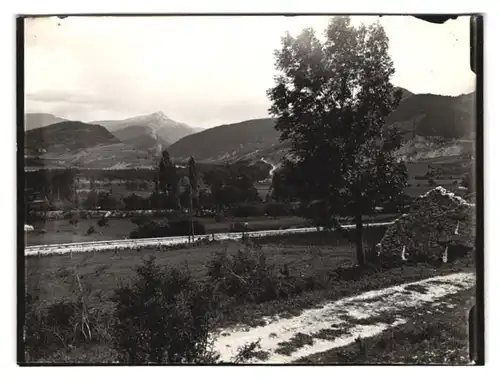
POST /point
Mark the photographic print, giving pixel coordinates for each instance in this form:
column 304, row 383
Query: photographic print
column 250, row 189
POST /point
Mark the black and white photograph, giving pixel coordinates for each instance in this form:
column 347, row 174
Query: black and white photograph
column 250, row 189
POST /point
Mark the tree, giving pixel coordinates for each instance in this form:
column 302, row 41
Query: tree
column 330, row 101
column 282, row 188
column 193, row 190
column 168, row 180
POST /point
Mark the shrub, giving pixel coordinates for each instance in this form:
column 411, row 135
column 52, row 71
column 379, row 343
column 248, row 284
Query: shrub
column 68, row 322
column 103, row 222
column 91, row 230
column 107, row 201
column 167, row 229
column 247, row 210
column 163, row 316
column 135, row 202
column 277, row 209
column 139, row 221
column 247, row 277
column 219, row 218
column 183, row 227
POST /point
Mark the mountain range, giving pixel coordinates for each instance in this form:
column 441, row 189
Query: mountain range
column 432, row 125
column 421, row 118
column 158, row 124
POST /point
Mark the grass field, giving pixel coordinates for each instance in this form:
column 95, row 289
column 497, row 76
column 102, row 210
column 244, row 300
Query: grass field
column 104, row 271
column 331, row 260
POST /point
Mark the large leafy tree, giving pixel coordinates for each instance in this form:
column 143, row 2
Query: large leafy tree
column 330, row 101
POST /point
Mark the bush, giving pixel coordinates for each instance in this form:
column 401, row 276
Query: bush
column 139, row 221
column 247, row 277
column 167, row 229
column 277, row 209
column 164, row 316
column 183, row 227
column 103, row 222
column 91, row 230
column 63, row 324
column 219, row 218
column 247, row 210
column 106, row 201
column 135, row 202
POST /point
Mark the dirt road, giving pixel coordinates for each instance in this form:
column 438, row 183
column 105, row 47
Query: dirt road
column 339, row 323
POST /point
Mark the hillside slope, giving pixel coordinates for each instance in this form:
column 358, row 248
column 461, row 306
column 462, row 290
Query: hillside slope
column 432, row 126
column 110, row 156
column 166, row 128
column 227, row 142
column 449, row 117
column 68, row 136
column 141, row 137
column 35, row 120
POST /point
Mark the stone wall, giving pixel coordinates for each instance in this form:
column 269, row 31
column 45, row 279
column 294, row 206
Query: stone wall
column 429, row 226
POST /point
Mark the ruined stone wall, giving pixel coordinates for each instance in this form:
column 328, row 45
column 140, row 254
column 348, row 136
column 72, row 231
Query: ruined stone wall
column 429, row 226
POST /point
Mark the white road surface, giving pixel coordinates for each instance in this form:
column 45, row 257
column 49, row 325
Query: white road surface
column 391, row 300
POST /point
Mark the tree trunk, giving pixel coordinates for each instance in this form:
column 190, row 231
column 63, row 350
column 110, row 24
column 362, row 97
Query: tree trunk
column 191, row 210
column 360, row 253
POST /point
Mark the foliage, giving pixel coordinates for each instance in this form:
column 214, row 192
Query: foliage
column 168, row 180
column 283, row 186
column 246, row 210
column 54, row 184
column 173, row 228
column 277, row 209
column 193, row 184
column 107, row 201
column 140, row 220
column 331, row 101
column 231, row 185
column 163, row 316
column 248, row 277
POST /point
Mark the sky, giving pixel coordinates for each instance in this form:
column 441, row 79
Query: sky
column 206, row 71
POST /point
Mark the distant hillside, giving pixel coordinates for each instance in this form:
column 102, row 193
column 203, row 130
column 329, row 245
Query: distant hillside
column 166, row 128
column 422, row 119
column 110, row 156
column 67, row 136
column 450, row 117
column 227, row 142
column 35, row 120
column 141, row 137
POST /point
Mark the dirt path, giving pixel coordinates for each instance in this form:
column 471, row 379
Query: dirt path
column 341, row 322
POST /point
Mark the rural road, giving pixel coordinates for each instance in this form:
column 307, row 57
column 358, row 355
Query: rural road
column 132, row 244
column 335, row 324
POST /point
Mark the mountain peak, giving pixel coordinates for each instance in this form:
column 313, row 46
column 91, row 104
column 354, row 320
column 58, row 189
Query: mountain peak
column 159, row 115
